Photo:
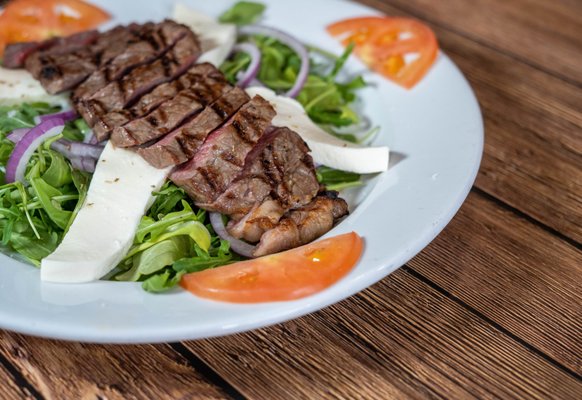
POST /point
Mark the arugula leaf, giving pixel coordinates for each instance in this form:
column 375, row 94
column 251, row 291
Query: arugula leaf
column 34, row 219
column 243, row 13
column 335, row 179
column 326, row 100
column 162, row 282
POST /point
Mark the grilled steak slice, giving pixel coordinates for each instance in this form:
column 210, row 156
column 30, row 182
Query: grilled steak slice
column 260, row 219
column 220, row 159
column 16, row 54
column 303, row 225
column 150, row 101
column 62, row 68
column 180, row 145
column 279, row 166
column 122, row 93
column 169, row 114
column 149, row 44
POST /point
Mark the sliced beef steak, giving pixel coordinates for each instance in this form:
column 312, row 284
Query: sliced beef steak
column 221, row 158
column 279, row 166
column 149, row 44
column 303, row 225
column 16, row 54
column 150, row 101
column 180, row 145
column 261, row 218
column 122, row 93
column 170, row 114
column 62, row 68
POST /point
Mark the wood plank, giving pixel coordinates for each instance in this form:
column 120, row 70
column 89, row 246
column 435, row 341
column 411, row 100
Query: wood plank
column 9, row 389
column 544, row 34
column 65, row 370
column 399, row 339
column 522, row 277
column 533, row 132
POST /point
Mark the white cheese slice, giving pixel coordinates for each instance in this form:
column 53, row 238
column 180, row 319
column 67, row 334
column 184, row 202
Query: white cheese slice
column 326, row 149
column 216, row 39
column 17, row 86
column 101, row 234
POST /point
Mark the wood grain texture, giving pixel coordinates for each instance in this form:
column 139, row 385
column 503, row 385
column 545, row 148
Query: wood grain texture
column 11, row 390
column 545, row 34
column 521, row 277
column 65, row 370
column 399, row 339
column 533, row 131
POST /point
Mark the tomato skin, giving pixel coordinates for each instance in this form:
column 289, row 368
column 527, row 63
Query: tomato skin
column 289, row 275
column 380, row 45
column 33, row 20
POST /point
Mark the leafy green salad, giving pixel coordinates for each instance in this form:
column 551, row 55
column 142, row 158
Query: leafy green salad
column 36, row 214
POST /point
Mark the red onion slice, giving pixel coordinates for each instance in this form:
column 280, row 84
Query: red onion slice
column 66, row 116
column 290, row 41
column 86, row 164
column 16, row 166
column 237, row 245
column 72, row 149
column 17, row 134
column 255, row 65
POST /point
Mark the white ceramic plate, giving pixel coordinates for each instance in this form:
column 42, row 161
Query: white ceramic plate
column 435, row 133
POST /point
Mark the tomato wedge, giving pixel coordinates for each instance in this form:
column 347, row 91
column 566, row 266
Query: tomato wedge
column 31, row 20
column 401, row 49
column 288, row 275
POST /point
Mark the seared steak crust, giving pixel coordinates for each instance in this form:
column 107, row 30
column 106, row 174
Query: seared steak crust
column 149, row 43
column 180, row 145
column 122, row 93
column 63, row 67
column 279, row 166
column 220, row 159
column 15, row 54
column 150, row 101
column 303, row 225
column 169, row 115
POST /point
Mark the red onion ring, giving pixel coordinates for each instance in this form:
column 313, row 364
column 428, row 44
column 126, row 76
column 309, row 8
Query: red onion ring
column 237, row 245
column 253, row 69
column 16, row 166
column 66, row 116
column 290, row 41
column 72, row 149
column 86, row 164
column 17, row 134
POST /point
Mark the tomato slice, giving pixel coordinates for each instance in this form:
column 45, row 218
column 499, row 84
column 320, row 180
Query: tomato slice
column 288, row 275
column 31, row 20
column 385, row 44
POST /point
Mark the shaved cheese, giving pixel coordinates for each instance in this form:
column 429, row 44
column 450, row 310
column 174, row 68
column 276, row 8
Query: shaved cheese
column 17, row 86
column 101, row 234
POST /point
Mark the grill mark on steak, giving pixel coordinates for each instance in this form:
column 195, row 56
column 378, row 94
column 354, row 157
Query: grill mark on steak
column 149, row 43
column 303, row 225
column 169, row 114
column 127, row 91
column 75, row 59
column 180, row 145
column 216, row 157
column 150, row 101
column 279, row 169
column 16, row 54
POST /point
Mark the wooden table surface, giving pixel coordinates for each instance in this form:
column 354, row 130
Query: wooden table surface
column 491, row 309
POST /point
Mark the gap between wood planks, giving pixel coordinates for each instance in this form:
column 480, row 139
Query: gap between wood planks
column 380, row 4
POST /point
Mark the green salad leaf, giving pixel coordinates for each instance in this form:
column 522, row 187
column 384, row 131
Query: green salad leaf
column 35, row 216
column 335, row 179
column 243, row 13
column 172, row 239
